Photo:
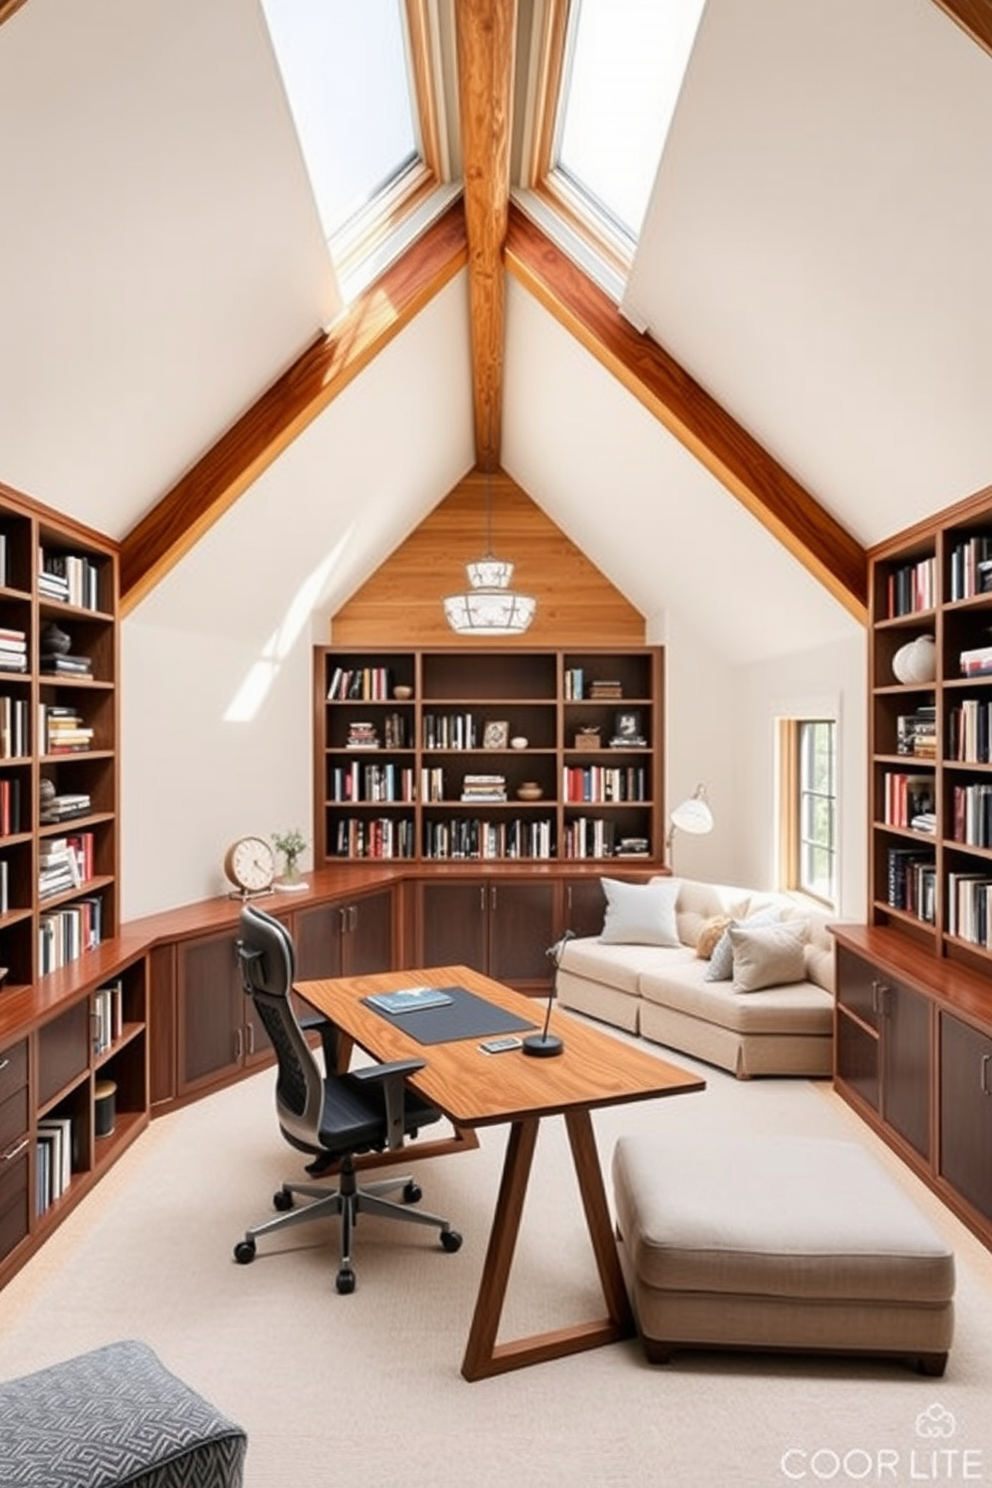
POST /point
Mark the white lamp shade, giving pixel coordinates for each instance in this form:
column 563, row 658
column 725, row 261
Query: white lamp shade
column 693, row 815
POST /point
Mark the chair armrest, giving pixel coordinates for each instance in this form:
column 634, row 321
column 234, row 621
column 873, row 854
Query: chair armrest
column 392, row 1077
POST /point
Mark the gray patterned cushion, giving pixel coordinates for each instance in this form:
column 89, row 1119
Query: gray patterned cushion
column 114, row 1417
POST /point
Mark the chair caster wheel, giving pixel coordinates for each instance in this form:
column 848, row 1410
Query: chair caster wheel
column 412, row 1193
column 282, row 1199
column 451, row 1241
column 345, row 1280
column 244, row 1252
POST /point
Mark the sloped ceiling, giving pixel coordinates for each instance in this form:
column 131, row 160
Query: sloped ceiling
column 811, row 257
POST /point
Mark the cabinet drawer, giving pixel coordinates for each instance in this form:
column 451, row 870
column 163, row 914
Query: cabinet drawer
column 13, row 1118
column 13, row 1201
column 857, row 987
column 13, row 1068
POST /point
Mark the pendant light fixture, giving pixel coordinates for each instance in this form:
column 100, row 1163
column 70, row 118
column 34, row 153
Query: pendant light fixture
column 489, row 607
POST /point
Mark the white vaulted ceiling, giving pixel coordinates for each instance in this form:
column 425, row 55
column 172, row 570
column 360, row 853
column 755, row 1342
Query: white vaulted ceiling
column 814, row 255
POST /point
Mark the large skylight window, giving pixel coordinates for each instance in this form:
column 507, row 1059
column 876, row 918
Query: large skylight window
column 608, row 108
column 359, row 86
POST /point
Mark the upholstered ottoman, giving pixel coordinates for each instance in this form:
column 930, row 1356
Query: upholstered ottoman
column 778, row 1243
column 112, row 1417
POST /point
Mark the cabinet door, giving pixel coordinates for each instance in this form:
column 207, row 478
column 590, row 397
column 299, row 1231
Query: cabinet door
column 219, row 1031
column 14, row 1147
column 906, row 1064
column 522, row 927
column 368, row 940
column 453, row 924
column 317, row 936
column 584, row 906
column 966, row 1111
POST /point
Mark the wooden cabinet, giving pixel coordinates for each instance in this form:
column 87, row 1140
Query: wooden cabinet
column 502, row 927
column 58, row 740
column 15, row 1145
column 348, row 937
column 219, row 1032
column 487, row 755
column 966, row 1112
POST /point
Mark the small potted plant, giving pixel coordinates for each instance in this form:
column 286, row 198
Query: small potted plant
column 290, row 845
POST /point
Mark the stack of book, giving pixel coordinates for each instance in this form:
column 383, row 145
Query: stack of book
column 13, row 650
column 484, row 788
column 976, row 662
column 916, row 733
column 362, row 736
column 63, row 730
column 58, row 869
column 61, row 808
column 65, row 665
column 598, row 690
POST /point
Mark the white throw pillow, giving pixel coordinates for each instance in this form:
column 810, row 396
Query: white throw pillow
column 769, row 956
column 721, row 967
column 640, row 914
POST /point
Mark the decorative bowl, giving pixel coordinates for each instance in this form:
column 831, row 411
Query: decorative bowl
column 530, row 791
column 402, row 692
column 518, row 742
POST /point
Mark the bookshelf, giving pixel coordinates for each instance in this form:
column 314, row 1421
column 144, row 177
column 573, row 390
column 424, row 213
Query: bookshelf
column 527, row 756
column 913, row 1021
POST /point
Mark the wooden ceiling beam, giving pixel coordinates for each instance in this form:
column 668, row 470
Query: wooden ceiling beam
column 162, row 537
column 973, row 16
column 486, row 39
column 780, row 503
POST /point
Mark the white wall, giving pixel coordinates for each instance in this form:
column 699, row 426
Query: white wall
column 829, row 682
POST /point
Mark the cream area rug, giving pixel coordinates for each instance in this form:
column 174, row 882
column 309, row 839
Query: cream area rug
column 366, row 1389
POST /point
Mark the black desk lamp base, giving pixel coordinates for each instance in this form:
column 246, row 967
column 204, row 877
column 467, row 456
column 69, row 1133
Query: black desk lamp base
column 542, row 1045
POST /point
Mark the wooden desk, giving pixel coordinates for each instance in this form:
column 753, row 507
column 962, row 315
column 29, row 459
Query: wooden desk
column 475, row 1089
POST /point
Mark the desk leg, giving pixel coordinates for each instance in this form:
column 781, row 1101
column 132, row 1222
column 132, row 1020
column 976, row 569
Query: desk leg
column 483, row 1356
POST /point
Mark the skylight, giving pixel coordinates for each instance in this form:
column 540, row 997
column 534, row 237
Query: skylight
column 622, row 70
column 345, row 70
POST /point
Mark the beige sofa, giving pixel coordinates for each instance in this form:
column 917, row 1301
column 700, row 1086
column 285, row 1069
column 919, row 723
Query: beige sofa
column 665, row 991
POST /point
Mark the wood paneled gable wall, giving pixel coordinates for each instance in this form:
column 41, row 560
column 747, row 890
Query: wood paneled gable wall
column 576, row 604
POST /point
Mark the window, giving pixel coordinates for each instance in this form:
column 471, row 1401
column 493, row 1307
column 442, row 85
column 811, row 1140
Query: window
column 612, row 77
column 359, row 86
column 808, row 774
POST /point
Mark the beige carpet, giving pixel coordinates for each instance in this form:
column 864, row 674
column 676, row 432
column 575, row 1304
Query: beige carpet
column 367, row 1390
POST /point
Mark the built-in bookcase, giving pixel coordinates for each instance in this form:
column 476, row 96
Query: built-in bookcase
column 488, row 755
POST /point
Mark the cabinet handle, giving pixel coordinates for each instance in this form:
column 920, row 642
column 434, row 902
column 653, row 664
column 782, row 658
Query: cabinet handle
column 239, row 1043
column 482, row 899
column 3, row 1065
column 250, row 1035
column 343, row 913
column 352, row 917
column 14, row 1151
column 983, row 1077
column 568, row 899
column 493, row 897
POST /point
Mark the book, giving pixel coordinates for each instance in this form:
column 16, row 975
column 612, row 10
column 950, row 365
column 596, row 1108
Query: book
column 409, row 999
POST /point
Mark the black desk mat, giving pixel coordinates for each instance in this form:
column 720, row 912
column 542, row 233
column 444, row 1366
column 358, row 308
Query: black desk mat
column 465, row 1016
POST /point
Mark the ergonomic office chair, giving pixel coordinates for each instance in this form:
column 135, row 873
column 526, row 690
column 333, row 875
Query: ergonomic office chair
column 329, row 1115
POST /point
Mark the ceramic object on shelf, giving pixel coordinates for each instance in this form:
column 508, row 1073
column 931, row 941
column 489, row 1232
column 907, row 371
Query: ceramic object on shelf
column 518, row 742
column 530, row 791
column 916, row 662
column 402, row 692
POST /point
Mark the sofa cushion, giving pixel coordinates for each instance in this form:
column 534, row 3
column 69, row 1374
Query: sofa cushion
column 640, row 914
column 699, row 902
column 767, row 956
column 619, row 966
column 721, row 963
column 709, row 935
column 797, row 1007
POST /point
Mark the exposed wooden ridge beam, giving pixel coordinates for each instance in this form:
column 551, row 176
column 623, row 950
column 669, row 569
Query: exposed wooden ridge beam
column 973, row 16
column 7, row 8
column 780, row 503
column 486, row 31
column 325, row 369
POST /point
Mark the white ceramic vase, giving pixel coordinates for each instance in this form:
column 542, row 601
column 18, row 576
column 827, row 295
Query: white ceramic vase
column 916, row 662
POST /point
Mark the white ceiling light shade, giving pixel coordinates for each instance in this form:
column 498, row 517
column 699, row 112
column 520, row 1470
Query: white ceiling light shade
column 489, row 607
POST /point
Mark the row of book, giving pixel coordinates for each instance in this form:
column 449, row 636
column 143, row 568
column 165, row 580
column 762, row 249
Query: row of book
column 969, row 732
column 971, row 814
column 588, row 837
column 450, row 731
column 969, row 907
column 476, row 838
column 604, row 783
column 53, row 1168
column 912, row 587
column 971, row 567
column 912, row 882
column 383, row 837
column 64, row 934
column 908, row 801
column 10, row 805
column 15, row 741
column 372, row 782
column 70, row 578
column 64, row 863
column 366, row 684
column 108, row 1015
